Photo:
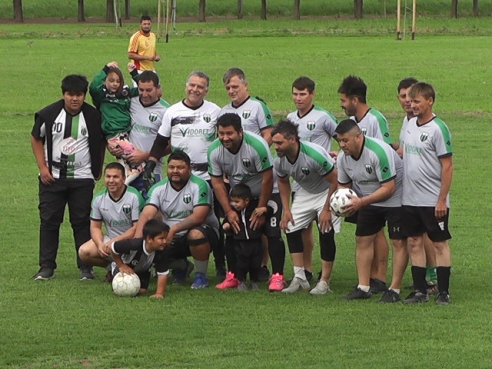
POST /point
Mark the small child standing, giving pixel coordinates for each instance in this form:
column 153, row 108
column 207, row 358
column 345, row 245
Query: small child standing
column 137, row 255
column 112, row 97
column 247, row 242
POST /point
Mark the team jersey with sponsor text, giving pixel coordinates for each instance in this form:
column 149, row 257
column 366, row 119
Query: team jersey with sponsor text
column 255, row 114
column 374, row 124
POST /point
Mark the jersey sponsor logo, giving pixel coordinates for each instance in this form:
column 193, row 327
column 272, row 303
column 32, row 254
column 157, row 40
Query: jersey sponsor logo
column 187, row 198
column 153, row 117
column 385, row 170
column 119, row 222
column 246, row 114
column 424, row 136
column 127, row 208
column 368, row 169
column 207, row 118
column 311, row 125
column 364, row 130
column 305, row 170
column 410, row 149
column 203, row 195
column 208, row 134
column 246, row 162
column 69, row 146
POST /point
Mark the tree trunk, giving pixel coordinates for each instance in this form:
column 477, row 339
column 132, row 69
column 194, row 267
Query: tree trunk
column 358, row 9
column 110, row 11
column 475, row 8
column 263, row 9
column 18, row 13
column 454, row 8
column 80, row 12
column 240, row 10
column 201, row 11
column 127, row 9
column 297, row 9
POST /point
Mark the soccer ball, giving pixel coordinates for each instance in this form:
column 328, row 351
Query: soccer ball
column 126, row 284
column 340, row 199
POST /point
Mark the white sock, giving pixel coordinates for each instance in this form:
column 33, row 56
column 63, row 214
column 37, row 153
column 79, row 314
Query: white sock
column 363, row 288
column 299, row 273
column 397, row 290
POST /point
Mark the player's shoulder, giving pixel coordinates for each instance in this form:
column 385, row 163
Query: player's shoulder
column 292, row 116
column 209, row 105
column 214, row 146
column 164, row 103
column 376, row 114
column 324, row 113
column 99, row 195
column 254, row 140
column 376, row 145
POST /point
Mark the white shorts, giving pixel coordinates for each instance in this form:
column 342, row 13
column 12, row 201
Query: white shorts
column 307, row 207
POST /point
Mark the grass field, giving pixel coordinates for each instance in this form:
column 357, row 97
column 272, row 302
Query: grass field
column 65, row 323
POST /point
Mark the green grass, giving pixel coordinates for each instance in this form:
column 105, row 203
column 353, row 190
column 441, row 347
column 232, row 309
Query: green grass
column 66, row 323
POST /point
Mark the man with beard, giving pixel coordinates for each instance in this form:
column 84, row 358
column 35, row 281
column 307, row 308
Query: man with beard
column 142, row 46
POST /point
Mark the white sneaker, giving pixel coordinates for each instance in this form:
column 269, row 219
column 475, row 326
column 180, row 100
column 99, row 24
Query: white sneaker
column 297, row 284
column 320, row 289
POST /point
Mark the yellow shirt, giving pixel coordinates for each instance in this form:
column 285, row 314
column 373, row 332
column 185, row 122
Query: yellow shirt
column 143, row 45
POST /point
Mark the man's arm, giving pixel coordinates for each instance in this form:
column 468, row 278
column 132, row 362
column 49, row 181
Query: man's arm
column 148, row 212
column 446, row 178
column 135, row 56
column 198, row 217
column 267, row 135
column 257, row 221
column 98, row 237
column 285, row 193
column 220, row 193
column 44, row 171
column 324, row 219
column 382, row 193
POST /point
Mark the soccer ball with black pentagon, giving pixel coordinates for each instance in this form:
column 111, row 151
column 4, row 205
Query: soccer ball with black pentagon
column 126, row 284
column 340, row 199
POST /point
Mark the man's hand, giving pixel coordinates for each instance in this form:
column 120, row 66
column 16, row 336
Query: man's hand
column 156, row 296
column 233, row 220
column 125, row 269
column 137, row 157
column 116, row 151
column 148, row 174
column 257, row 220
column 157, row 57
column 286, row 219
column 45, row 176
column 324, row 221
column 103, row 249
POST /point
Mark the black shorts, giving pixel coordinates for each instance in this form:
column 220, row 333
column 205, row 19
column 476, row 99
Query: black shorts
column 371, row 220
column 421, row 219
column 272, row 224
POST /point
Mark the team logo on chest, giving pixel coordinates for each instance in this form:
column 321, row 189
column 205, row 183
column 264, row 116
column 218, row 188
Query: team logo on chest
column 127, row 208
column 424, row 136
column 187, row 198
column 246, row 114
column 207, row 118
column 83, row 131
column 305, row 170
column 246, row 162
column 368, row 169
column 153, row 117
column 311, row 125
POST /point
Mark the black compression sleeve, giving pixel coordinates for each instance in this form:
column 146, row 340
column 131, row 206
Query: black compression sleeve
column 160, row 144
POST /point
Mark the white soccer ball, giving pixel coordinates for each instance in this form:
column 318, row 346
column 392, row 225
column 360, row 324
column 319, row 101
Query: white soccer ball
column 126, row 284
column 340, row 199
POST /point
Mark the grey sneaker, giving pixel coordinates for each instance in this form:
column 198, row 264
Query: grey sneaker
column 390, row 296
column 242, row 287
column 442, row 298
column 321, row 288
column 86, row 273
column 416, row 297
column 44, row 274
column 297, row 284
column 357, row 294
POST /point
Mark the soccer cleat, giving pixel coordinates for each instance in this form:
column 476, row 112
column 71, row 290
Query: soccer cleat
column 264, row 274
column 390, row 296
column 321, row 288
column 297, row 284
column 200, row 281
column 242, row 287
column 86, row 273
column 254, row 286
column 416, row 298
column 277, row 283
column 377, row 285
column 229, row 282
column 181, row 275
column 220, row 273
column 442, row 298
column 44, row 274
column 357, row 294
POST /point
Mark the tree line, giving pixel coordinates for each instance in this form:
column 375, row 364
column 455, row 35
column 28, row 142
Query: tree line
column 111, row 14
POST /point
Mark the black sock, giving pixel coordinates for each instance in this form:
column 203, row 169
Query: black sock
column 443, row 274
column 418, row 276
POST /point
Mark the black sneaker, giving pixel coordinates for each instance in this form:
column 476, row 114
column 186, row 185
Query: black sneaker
column 109, row 277
column 309, row 275
column 390, row 296
column 442, row 298
column 44, row 274
column 220, row 273
column 377, row 285
column 181, row 275
column 264, row 274
column 86, row 273
column 416, row 297
column 357, row 294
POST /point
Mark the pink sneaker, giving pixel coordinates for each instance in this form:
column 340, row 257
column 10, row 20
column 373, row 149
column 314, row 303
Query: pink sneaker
column 229, row 282
column 277, row 283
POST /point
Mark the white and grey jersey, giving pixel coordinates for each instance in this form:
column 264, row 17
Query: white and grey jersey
column 317, row 126
column 423, row 146
column 255, row 114
column 311, row 165
column 378, row 163
column 403, row 126
column 134, row 253
column 374, row 124
column 176, row 205
column 118, row 216
column 245, row 166
column 145, row 122
column 192, row 130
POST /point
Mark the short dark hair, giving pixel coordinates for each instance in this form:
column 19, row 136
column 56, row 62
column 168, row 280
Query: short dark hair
column 233, row 72
column 303, row 82
column 242, row 191
column 424, row 89
column 145, row 17
column 179, row 155
column 117, row 166
column 75, row 83
column 353, row 86
column 286, row 128
column 149, row 76
column 154, row 227
column 406, row 83
column 230, row 119
column 345, row 126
